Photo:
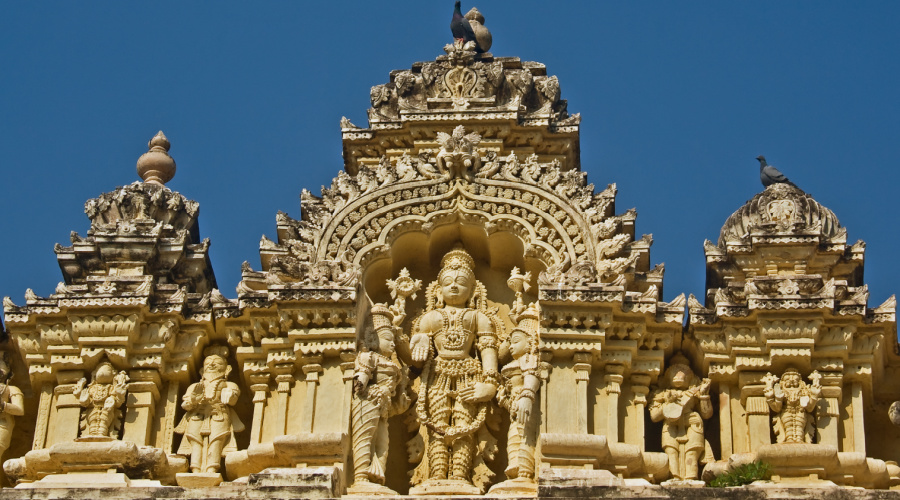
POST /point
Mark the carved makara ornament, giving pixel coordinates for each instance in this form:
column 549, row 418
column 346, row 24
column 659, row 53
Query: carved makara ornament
column 210, row 421
column 794, row 401
column 101, row 399
column 456, row 386
column 682, row 403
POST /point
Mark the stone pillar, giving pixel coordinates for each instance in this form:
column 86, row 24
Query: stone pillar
column 284, row 378
column 859, row 429
column 582, row 376
column 140, row 406
column 312, row 366
column 168, row 437
column 259, row 384
column 640, row 385
column 613, row 379
column 759, row 424
column 64, row 427
column 828, row 411
column 726, row 432
column 348, row 359
column 41, row 426
column 546, row 357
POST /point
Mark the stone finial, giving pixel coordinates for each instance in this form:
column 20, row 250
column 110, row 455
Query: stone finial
column 156, row 166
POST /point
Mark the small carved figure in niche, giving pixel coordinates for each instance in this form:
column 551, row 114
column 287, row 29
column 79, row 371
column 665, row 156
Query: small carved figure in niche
column 682, row 403
column 455, row 341
column 102, row 399
column 210, row 422
column 379, row 392
column 12, row 403
column 794, row 401
column 518, row 394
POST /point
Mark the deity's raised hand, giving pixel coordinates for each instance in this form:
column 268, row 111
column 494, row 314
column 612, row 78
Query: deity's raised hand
column 419, row 347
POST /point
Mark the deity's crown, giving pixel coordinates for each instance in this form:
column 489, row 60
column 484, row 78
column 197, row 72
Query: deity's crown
column 529, row 320
column 216, row 350
column 458, row 259
column 382, row 317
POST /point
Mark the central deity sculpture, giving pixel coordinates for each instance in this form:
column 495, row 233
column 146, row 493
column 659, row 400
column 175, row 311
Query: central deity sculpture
column 455, row 342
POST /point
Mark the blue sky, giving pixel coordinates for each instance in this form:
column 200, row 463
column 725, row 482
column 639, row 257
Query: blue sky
column 676, row 101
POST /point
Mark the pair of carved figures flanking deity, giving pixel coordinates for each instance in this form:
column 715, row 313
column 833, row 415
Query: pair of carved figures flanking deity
column 455, row 344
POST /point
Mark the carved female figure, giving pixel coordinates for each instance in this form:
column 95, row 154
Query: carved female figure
column 518, row 393
column 682, row 403
column 210, row 422
column 456, row 343
column 12, row 403
column 102, row 399
column 379, row 392
column 794, row 402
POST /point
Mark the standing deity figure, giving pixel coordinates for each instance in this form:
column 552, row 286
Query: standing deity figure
column 517, row 395
column 102, row 399
column 379, row 392
column 12, row 403
column 210, row 422
column 794, row 401
column 455, row 341
column 682, row 403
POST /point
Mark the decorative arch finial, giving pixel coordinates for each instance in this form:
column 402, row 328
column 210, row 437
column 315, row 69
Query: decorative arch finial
column 156, row 166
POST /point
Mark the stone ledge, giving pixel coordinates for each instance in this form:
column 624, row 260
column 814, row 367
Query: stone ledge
column 244, row 492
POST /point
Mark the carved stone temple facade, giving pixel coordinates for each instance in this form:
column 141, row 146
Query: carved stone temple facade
column 460, row 313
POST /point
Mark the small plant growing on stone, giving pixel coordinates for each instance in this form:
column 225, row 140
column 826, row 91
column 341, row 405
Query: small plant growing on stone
column 744, row 474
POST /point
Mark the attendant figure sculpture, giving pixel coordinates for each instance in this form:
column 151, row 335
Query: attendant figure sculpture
column 455, row 341
column 210, row 422
column 682, row 403
column 517, row 395
column 102, row 399
column 794, row 401
column 12, row 403
column 379, row 392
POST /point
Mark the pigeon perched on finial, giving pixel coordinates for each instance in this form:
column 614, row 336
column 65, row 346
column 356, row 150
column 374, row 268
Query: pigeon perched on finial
column 461, row 28
column 770, row 175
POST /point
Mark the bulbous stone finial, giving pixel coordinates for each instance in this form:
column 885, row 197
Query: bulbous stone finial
column 156, row 166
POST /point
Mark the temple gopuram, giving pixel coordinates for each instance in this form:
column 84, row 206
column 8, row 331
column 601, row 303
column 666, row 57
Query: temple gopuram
column 461, row 312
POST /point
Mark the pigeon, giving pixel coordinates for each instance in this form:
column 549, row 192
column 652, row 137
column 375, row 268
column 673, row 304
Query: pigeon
column 770, row 175
column 461, row 28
